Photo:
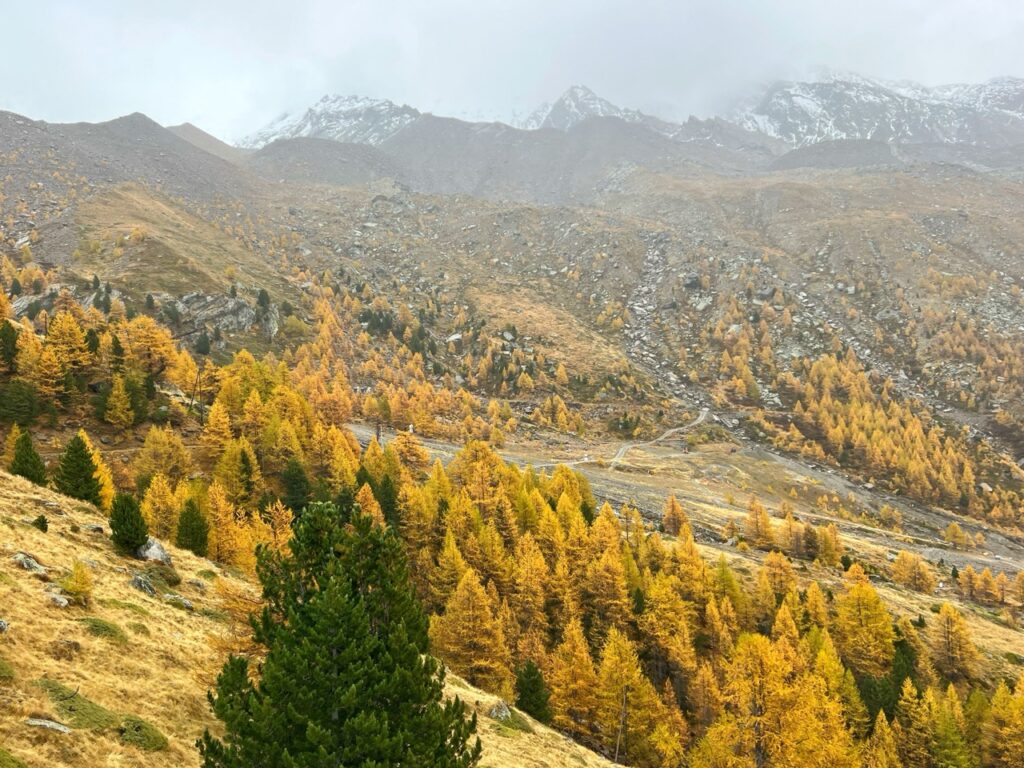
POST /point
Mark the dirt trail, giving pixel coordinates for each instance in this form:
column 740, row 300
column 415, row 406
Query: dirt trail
column 627, row 447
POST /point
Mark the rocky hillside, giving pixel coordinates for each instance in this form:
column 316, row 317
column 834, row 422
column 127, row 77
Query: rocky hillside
column 122, row 681
column 206, row 142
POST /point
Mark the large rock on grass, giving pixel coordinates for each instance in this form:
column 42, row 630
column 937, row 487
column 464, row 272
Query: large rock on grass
column 153, row 550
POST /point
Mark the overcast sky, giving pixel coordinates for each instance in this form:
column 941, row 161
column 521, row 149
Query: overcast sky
column 231, row 66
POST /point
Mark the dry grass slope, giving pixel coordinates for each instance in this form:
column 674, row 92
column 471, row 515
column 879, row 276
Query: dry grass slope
column 181, row 252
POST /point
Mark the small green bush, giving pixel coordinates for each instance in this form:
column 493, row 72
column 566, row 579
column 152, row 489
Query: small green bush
column 515, row 722
column 138, row 628
column 138, row 733
column 106, row 629
column 77, row 711
column 6, row 671
column 111, row 602
column 206, row 574
column 7, row 760
column 163, row 577
column 41, row 523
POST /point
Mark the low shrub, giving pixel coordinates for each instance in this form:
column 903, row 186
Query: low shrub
column 6, row 671
column 163, row 577
column 106, row 629
column 138, row 733
column 7, row 760
column 110, row 602
column 75, row 710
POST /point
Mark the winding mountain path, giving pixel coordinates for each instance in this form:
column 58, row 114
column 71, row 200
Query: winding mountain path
column 627, row 447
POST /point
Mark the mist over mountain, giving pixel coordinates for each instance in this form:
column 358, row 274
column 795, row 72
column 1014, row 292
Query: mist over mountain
column 836, row 107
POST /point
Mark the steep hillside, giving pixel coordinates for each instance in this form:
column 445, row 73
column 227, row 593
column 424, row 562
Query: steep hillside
column 174, row 251
column 322, row 161
column 129, row 654
column 126, row 654
column 206, row 142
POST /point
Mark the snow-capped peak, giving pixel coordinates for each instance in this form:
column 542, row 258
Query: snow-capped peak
column 354, row 119
column 577, row 104
column 841, row 105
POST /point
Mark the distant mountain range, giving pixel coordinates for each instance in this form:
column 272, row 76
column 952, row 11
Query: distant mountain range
column 834, row 107
column 845, row 106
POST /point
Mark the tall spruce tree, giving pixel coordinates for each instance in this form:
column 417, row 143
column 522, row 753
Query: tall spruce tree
column 193, row 530
column 76, row 473
column 128, row 527
column 346, row 679
column 26, row 461
column 8, row 344
column 532, row 694
column 296, row 486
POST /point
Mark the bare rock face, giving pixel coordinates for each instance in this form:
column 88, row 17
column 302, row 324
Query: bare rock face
column 178, row 601
column 848, row 106
column 153, row 550
column 50, row 725
column 30, row 564
column 340, row 118
column 142, row 584
column 229, row 314
column 499, row 711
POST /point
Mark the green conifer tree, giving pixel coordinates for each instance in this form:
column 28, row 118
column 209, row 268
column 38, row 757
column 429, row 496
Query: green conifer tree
column 532, row 693
column 341, row 617
column 193, row 530
column 296, row 486
column 128, row 528
column 8, row 344
column 76, row 473
column 26, row 461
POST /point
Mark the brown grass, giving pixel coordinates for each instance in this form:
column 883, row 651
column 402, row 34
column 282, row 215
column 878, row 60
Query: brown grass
column 160, row 676
column 180, row 253
column 508, row 746
column 556, row 332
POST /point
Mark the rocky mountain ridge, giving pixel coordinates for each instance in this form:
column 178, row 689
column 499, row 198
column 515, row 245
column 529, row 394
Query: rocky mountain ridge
column 834, row 107
column 846, row 106
column 353, row 119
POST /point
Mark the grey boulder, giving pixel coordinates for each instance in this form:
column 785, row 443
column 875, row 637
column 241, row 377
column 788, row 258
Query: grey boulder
column 153, row 550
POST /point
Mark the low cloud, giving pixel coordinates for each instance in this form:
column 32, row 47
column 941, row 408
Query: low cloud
column 231, row 66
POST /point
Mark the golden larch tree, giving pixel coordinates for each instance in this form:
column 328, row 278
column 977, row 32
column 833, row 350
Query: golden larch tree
column 102, row 474
column 469, row 638
column 628, row 706
column 160, row 508
column 119, row 406
column 953, row 650
column 863, row 630
column 572, row 680
column 369, row 505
